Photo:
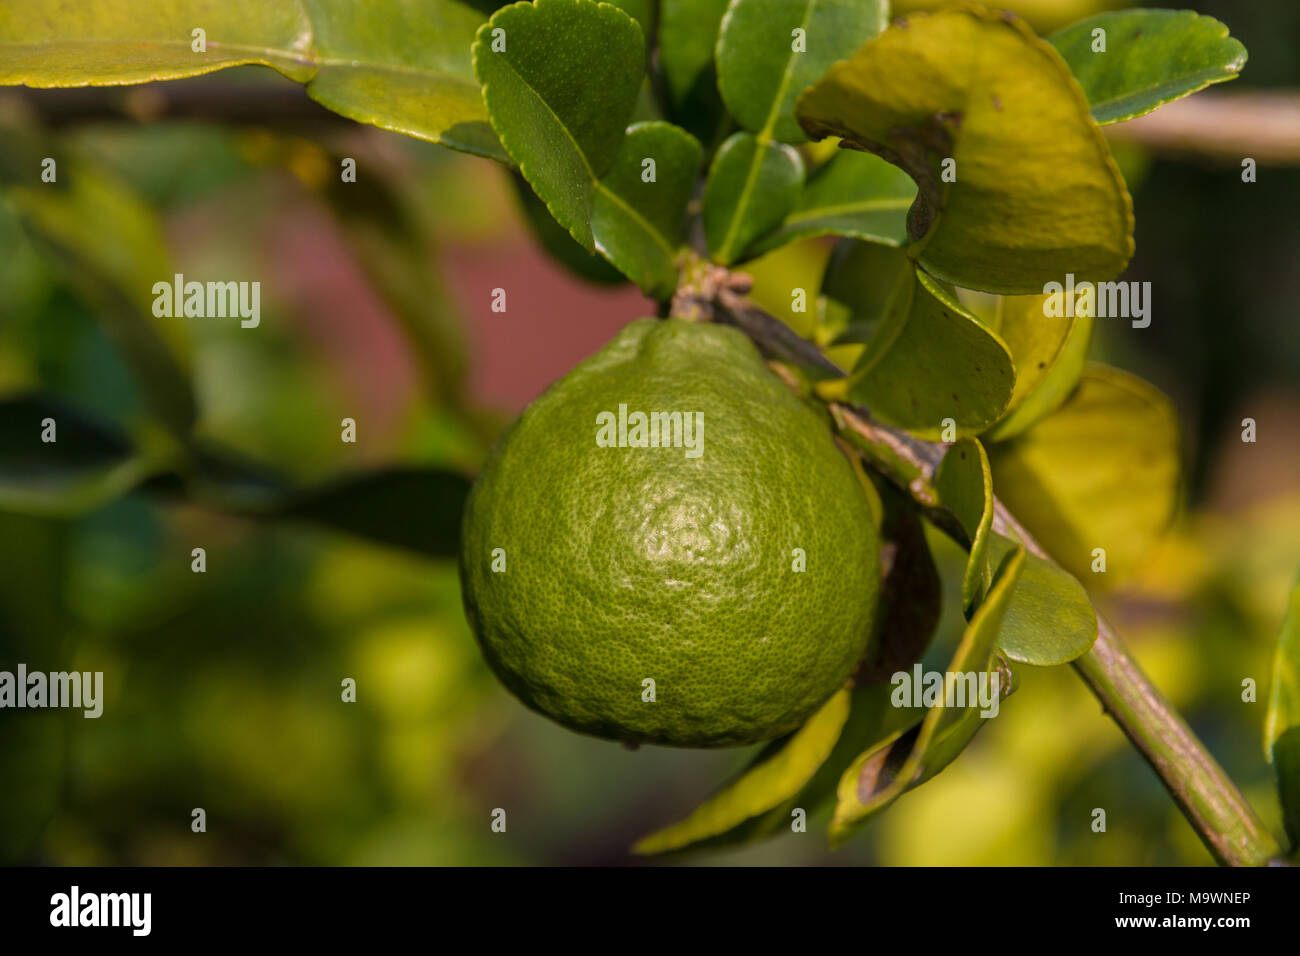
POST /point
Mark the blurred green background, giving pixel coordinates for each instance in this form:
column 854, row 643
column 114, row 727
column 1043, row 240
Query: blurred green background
column 223, row 688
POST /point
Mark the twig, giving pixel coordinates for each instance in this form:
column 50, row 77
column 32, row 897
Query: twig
column 1207, row 797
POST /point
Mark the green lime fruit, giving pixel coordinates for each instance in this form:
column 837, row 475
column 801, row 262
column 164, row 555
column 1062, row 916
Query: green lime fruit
column 668, row 547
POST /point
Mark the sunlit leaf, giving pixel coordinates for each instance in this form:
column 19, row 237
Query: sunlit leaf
column 778, row 773
column 1102, row 471
column 1031, row 192
column 1282, row 722
column 1150, row 57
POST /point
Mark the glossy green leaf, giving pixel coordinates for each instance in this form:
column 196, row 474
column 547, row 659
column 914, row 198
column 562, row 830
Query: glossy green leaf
column 688, row 33
column 854, row 194
column 1049, row 353
column 402, row 65
column 770, row 50
column 910, row 757
column 965, row 487
column 111, row 244
column 53, row 43
column 777, row 774
column 928, row 359
column 637, row 221
column 1151, row 57
column 88, row 463
column 1284, row 690
column 1100, row 472
column 750, row 189
column 979, row 89
column 559, row 96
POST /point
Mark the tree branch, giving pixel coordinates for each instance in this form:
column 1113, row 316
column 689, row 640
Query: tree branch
column 1207, row 797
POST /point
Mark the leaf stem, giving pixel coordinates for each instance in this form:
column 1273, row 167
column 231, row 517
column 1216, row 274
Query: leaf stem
column 1209, row 800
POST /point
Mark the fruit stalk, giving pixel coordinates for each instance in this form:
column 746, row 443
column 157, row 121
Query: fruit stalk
column 1207, row 797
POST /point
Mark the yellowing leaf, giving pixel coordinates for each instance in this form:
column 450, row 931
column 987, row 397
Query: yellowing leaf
column 780, row 771
column 1031, row 192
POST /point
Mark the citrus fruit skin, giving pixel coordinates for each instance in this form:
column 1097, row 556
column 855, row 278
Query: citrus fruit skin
column 629, row 564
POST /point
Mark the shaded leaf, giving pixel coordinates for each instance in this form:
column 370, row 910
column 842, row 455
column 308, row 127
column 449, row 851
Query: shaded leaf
column 1100, row 472
column 778, row 773
column 855, row 194
column 965, row 487
column 910, row 757
column 760, row 71
column 1286, row 764
column 688, row 33
column 414, row 508
column 89, row 463
column 981, row 90
column 928, row 359
column 1152, row 57
column 749, row 190
column 111, row 244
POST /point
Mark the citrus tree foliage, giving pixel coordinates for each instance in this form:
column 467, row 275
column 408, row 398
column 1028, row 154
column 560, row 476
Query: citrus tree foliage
column 955, row 158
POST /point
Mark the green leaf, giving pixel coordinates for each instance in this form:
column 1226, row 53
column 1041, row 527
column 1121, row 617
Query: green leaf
column 403, row 65
column 980, row 89
column 111, row 245
column 1048, row 619
column 51, row 43
column 638, row 225
column 559, row 96
column 557, row 242
column 89, row 462
column 1100, row 472
column 750, row 188
column 910, row 757
column 777, row 774
column 688, row 33
column 414, row 508
column 1049, row 353
column 928, row 359
column 566, row 128
column 1151, row 57
column 855, row 194
column 965, row 487
column 1284, row 691
column 1286, row 764
column 761, row 70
